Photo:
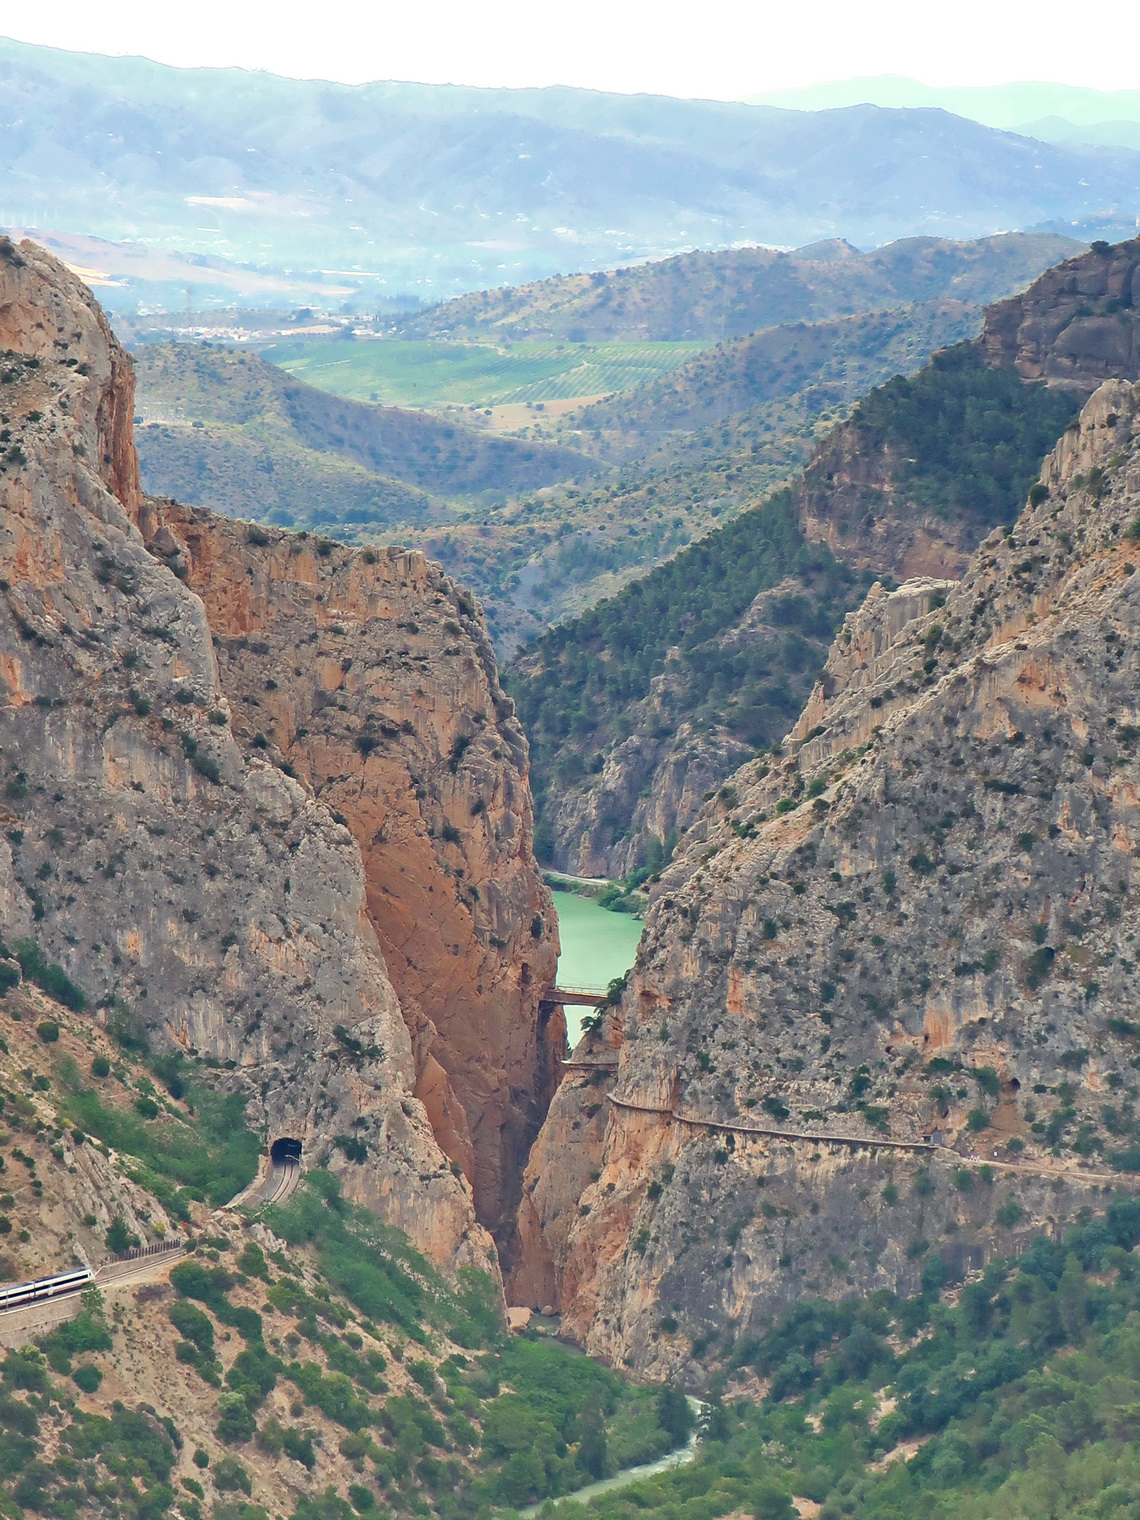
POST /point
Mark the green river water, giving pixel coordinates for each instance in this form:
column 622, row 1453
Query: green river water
column 597, row 945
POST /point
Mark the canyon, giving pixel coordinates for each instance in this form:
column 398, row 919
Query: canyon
column 906, row 486
column 308, row 869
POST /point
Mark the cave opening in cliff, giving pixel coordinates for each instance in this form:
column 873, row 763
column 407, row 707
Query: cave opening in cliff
column 285, row 1152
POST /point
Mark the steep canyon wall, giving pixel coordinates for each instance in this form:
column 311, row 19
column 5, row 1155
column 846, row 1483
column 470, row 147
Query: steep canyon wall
column 236, row 903
column 882, row 1022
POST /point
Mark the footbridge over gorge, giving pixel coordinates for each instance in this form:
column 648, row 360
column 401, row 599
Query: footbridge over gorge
column 581, row 995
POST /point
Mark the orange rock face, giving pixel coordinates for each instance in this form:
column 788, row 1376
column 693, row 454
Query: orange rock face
column 370, row 673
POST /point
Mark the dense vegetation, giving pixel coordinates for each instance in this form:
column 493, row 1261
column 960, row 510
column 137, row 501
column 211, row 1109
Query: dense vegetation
column 1016, row 1397
column 578, row 686
column 964, row 440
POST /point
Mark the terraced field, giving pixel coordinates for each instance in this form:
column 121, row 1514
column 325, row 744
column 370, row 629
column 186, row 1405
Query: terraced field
column 436, row 373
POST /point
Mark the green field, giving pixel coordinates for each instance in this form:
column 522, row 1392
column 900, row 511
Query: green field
column 434, row 372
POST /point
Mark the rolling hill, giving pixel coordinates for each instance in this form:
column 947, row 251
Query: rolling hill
column 718, row 296
column 225, row 429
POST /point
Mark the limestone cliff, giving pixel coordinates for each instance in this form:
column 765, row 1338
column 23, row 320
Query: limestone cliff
column 180, row 876
column 1077, row 324
column 882, row 1023
column 369, row 673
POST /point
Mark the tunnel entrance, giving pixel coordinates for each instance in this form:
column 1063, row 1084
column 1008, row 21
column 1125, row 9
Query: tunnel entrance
column 285, row 1152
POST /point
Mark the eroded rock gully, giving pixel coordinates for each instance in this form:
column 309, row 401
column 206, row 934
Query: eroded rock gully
column 916, row 924
column 154, row 848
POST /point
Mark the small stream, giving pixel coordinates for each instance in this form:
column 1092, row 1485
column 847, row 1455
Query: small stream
column 679, row 1458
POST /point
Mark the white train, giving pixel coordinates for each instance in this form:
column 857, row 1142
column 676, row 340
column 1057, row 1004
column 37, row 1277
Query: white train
column 17, row 1295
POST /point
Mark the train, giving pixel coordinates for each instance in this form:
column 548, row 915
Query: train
column 18, row 1295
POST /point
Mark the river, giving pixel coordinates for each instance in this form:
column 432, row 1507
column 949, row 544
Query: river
column 678, row 1458
column 597, row 945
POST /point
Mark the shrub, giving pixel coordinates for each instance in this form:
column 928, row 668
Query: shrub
column 48, row 1031
column 100, row 1067
column 231, row 1477
column 119, row 1238
column 87, row 1378
column 47, row 976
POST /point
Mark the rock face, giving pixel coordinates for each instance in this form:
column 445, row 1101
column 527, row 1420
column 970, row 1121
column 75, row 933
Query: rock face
column 882, row 1021
column 1077, row 325
column 182, row 878
column 850, row 498
column 370, row 674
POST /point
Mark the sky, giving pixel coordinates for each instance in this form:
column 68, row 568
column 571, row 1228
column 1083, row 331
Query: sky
column 722, row 49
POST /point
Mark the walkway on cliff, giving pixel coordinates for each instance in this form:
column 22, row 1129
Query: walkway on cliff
column 868, row 1142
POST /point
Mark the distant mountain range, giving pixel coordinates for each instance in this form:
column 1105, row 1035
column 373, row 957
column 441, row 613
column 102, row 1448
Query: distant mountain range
column 1053, row 112
column 437, row 189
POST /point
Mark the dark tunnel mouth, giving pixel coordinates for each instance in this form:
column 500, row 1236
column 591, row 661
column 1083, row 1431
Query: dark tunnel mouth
column 285, row 1151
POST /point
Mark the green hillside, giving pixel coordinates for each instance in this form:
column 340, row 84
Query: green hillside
column 809, row 368
column 434, row 373
column 1013, row 1397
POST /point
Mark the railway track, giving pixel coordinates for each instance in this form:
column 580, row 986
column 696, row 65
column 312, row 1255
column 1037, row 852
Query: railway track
column 278, row 1186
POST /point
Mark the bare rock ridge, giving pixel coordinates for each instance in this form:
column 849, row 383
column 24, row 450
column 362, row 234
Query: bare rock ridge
column 1078, row 324
column 184, row 879
column 881, row 1027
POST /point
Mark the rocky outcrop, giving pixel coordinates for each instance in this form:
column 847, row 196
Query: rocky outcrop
column 882, row 1024
column 851, row 499
column 370, row 675
column 189, row 884
column 1077, row 325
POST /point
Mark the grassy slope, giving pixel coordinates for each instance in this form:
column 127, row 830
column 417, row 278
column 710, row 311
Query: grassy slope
column 432, row 373
column 321, row 1370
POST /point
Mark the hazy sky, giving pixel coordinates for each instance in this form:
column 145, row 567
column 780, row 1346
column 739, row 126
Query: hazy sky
column 717, row 48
